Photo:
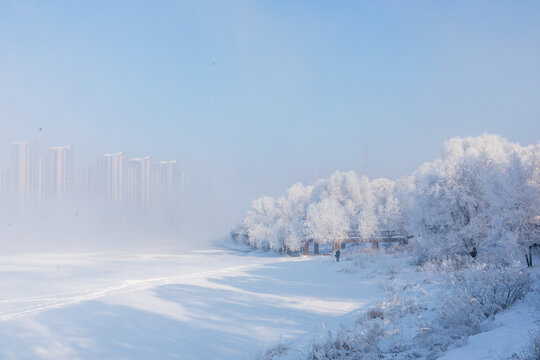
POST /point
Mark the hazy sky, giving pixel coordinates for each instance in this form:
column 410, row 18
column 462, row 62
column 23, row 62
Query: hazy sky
column 253, row 96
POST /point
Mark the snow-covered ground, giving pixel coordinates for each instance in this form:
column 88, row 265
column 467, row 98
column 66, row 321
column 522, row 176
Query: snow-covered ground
column 217, row 304
column 197, row 305
column 510, row 334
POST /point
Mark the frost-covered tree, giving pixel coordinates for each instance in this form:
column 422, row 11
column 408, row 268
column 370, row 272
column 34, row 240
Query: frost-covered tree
column 483, row 192
column 388, row 205
column 478, row 194
column 448, row 199
column 291, row 223
column 324, row 212
column 516, row 198
column 327, row 221
column 261, row 220
column 274, row 223
column 354, row 197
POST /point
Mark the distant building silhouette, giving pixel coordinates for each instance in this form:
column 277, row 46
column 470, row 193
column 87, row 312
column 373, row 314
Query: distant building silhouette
column 138, row 182
column 60, row 169
column 25, row 169
column 108, row 176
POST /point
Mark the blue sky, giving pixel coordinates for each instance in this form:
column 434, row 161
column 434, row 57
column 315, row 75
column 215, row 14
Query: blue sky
column 253, row 96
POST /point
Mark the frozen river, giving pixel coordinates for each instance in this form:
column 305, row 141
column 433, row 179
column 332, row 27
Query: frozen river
column 215, row 304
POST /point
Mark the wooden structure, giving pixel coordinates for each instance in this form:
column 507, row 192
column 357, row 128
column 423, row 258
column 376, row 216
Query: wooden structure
column 353, row 237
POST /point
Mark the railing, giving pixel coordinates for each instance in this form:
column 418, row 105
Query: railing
column 353, row 236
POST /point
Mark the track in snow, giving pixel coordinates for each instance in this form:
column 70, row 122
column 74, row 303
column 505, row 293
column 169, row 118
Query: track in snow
column 56, row 301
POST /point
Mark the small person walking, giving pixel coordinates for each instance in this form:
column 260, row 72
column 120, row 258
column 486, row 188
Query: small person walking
column 337, row 255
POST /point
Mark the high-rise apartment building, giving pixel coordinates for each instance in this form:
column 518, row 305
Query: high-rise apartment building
column 60, row 170
column 43, row 176
column 167, row 178
column 108, row 176
column 167, row 173
column 140, row 179
column 137, row 182
column 112, row 173
column 25, row 169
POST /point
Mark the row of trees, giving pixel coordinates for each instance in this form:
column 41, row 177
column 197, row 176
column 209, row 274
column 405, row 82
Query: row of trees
column 483, row 192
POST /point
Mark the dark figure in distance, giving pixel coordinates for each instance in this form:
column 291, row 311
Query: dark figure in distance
column 528, row 256
column 337, row 255
column 473, row 252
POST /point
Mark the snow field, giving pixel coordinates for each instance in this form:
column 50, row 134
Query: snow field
column 198, row 305
column 233, row 305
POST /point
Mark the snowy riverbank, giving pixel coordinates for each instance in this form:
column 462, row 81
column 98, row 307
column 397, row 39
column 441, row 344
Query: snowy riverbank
column 221, row 304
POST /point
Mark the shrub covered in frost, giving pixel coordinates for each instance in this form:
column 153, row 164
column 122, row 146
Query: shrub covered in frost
column 468, row 294
column 532, row 351
column 275, row 351
column 375, row 335
column 475, row 293
column 356, row 343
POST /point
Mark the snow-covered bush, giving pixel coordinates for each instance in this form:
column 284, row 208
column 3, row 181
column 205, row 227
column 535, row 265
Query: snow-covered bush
column 376, row 334
column 474, row 293
column 415, row 323
column 532, row 351
column 356, row 343
column 275, row 351
column 375, row 313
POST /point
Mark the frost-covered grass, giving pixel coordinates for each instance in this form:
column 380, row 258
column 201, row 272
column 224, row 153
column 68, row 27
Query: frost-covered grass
column 532, row 351
column 275, row 351
column 475, row 293
column 428, row 311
